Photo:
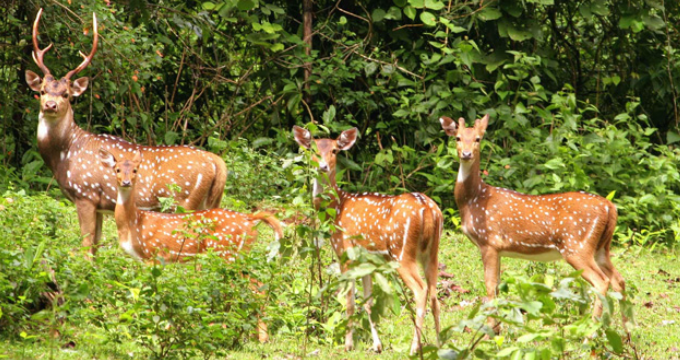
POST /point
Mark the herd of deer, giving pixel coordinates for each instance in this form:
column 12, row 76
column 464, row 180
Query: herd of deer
column 104, row 174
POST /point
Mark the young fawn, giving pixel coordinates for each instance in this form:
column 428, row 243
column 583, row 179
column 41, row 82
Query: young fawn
column 574, row 226
column 147, row 235
column 404, row 228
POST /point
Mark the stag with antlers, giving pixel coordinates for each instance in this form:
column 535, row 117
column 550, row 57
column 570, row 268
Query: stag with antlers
column 71, row 153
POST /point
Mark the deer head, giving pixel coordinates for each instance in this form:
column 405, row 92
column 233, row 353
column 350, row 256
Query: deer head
column 467, row 139
column 126, row 170
column 55, row 94
column 326, row 149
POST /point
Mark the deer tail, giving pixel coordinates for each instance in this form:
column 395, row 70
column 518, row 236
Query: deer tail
column 610, row 227
column 270, row 220
column 217, row 188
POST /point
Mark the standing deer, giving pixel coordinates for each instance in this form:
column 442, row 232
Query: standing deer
column 71, row 153
column 404, row 228
column 148, row 235
column 574, row 226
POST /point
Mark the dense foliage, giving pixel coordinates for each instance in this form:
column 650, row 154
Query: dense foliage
column 582, row 95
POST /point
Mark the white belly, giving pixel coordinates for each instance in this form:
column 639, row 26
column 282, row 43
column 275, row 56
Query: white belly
column 550, row 255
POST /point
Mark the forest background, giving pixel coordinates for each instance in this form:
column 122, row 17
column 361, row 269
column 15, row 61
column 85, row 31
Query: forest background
column 583, row 95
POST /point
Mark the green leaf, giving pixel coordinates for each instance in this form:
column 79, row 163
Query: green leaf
column 401, row 113
column 361, row 270
column 653, row 22
column 208, row 5
column 614, row 340
column 507, row 351
column 418, row 4
column 599, row 7
column 378, row 15
column 245, row 5
column 410, row 12
column 170, row 137
column 382, row 282
column 428, row 18
column 611, row 195
column 434, row 4
column 672, row 137
column 489, row 13
column 394, row 13
column 328, row 115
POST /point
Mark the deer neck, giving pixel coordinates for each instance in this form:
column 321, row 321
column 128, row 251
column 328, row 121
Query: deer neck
column 469, row 183
column 55, row 136
column 127, row 221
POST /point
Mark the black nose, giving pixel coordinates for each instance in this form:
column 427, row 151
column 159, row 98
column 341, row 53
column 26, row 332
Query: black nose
column 467, row 154
column 51, row 106
column 324, row 168
column 126, row 183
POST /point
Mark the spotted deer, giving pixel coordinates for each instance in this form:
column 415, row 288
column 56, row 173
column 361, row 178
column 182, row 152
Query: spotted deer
column 71, row 153
column 574, row 226
column 404, row 228
column 149, row 235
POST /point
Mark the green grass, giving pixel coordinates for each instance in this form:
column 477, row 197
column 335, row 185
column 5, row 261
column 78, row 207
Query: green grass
column 653, row 280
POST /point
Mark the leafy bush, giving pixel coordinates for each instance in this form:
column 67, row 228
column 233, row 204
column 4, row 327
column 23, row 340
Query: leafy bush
column 541, row 319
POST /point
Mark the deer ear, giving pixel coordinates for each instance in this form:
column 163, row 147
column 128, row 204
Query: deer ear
column 138, row 157
column 33, row 80
column 347, row 139
column 449, row 126
column 107, row 158
column 79, row 86
column 302, row 137
column 482, row 123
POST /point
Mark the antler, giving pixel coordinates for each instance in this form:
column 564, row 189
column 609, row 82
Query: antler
column 87, row 58
column 37, row 53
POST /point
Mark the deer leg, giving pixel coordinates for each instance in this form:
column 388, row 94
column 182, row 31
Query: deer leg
column 595, row 276
column 602, row 257
column 262, row 333
column 492, row 267
column 431, row 273
column 88, row 219
column 99, row 225
column 368, row 289
column 349, row 335
column 409, row 273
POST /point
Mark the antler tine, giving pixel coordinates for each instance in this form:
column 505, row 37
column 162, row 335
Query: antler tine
column 87, row 58
column 37, row 53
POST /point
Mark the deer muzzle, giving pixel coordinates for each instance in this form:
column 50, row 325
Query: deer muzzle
column 50, row 107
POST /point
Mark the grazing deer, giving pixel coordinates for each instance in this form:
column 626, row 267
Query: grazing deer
column 71, row 153
column 404, row 228
column 148, row 235
column 574, row 226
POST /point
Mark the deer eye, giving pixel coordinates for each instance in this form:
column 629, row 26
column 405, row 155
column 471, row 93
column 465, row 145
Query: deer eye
column 478, row 139
column 42, row 92
column 336, row 151
column 118, row 171
column 65, row 95
column 457, row 138
column 134, row 171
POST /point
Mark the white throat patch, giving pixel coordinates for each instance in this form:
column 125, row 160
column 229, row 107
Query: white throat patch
column 43, row 127
column 464, row 170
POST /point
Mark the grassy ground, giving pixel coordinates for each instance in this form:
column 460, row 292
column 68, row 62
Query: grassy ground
column 652, row 277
